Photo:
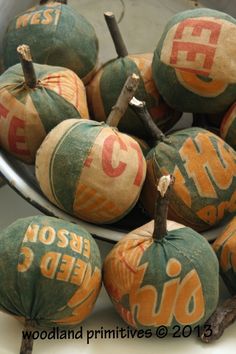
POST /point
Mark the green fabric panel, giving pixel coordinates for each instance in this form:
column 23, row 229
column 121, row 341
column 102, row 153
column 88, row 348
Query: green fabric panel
column 69, row 157
column 77, row 48
column 166, row 155
column 69, row 42
column 193, row 252
column 176, row 95
column 10, row 244
column 52, row 108
column 31, row 294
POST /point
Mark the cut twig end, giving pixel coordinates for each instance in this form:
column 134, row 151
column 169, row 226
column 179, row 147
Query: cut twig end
column 164, row 183
column 109, row 14
column 137, row 103
column 24, row 52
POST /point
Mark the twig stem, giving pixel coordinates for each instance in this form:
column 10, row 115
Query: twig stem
column 27, row 344
column 27, row 66
column 122, row 103
column 112, row 24
column 140, row 108
column 161, row 207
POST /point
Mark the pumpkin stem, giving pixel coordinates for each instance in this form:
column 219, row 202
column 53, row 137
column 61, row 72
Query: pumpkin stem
column 122, row 103
column 140, row 108
column 223, row 316
column 113, row 27
column 161, row 207
column 27, row 66
column 27, row 343
column 42, row 2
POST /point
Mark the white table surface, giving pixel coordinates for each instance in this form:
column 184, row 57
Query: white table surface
column 12, row 207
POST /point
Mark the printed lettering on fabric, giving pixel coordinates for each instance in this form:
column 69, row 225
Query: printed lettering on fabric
column 181, row 298
column 195, row 48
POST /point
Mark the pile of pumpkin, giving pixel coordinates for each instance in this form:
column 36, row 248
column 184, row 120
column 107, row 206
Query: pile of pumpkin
column 104, row 168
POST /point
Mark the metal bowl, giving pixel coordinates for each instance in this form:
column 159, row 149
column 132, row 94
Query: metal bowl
column 138, row 15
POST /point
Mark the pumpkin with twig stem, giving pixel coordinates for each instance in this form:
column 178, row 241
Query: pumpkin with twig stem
column 204, row 167
column 105, row 87
column 34, row 98
column 162, row 274
column 103, row 169
column 50, row 272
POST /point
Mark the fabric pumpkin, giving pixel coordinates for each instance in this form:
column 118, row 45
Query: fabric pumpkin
column 56, row 264
column 204, row 167
column 104, row 88
column 103, row 170
column 225, row 248
column 156, row 278
column 228, row 127
column 57, row 35
column 107, row 84
column 194, row 63
column 27, row 115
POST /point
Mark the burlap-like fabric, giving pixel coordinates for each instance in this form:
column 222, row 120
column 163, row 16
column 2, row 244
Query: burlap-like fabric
column 194, row 65
column 228, row 127
column 165, row 282
column 50, row 271
column 103, row 170
column 104, row 90
column 204, row 167
column 57, row 35
column 225, row 248
column 27, row 115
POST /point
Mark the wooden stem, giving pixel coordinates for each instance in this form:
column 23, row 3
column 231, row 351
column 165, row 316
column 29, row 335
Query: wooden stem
column 27, row 344
column 140, row 108
column 27, row 65
column 161, row 207
column 43, row 2
column 223, row 316
column 122, row 103
column 112, row 24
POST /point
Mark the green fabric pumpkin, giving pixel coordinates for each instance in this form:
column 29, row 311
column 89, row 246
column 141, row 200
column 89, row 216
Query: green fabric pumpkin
column 225, row 248
column 158, row 278
column 194, row 62
column 228, row 127
column 28, row 114
column 204, row 167
column 50, row 271
column 57, row 35
column 98, row 165
column 105, row 87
